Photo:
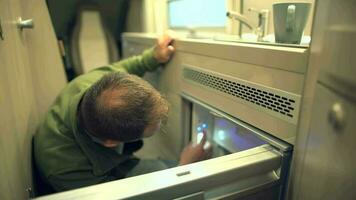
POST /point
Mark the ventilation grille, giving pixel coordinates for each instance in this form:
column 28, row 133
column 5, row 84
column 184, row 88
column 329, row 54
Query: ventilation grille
column 277, row 102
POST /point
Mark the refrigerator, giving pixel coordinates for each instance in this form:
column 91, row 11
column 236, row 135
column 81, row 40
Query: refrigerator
column 246, row 163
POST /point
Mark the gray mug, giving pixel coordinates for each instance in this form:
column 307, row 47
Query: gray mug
column 289, row 21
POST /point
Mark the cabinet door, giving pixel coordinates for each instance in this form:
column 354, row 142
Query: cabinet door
column 329, row 166
column 31, row 75
column 18, row 116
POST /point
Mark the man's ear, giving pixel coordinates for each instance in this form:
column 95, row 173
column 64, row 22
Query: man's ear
column 111, row 143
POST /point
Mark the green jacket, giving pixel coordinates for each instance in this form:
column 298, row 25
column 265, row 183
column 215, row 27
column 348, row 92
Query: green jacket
column 66, row 156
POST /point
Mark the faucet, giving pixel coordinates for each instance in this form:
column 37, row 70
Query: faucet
column 261, row 29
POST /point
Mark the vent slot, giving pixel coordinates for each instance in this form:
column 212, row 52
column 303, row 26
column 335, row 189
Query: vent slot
column 277, row 102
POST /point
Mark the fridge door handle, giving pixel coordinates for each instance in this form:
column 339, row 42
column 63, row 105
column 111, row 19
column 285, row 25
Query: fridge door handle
column 234, row 175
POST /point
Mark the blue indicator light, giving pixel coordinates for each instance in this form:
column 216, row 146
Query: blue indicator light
column 204, row 125
column 221, row 134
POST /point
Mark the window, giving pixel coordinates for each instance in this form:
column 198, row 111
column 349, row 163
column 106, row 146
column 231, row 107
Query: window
column 196, row 13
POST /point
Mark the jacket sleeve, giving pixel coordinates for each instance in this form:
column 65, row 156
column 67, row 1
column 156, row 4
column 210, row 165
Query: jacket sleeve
column 138, row 65
column 77, row 179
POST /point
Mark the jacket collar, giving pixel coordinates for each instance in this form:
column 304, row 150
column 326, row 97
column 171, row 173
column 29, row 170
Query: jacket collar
column 103, row 159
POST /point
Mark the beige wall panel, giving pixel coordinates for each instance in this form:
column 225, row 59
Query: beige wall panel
column 47, row 68
column 19, row 111
column 31, row 76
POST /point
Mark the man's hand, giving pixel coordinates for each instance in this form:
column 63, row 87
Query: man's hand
column 193, row 153
column 163, row 49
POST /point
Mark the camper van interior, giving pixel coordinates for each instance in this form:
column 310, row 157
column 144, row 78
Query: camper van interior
column 177, row 99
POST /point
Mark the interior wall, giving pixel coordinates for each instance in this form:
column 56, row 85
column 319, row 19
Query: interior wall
column 31, row 76
column 134, row 19
column 148, row 16
column 64, row 12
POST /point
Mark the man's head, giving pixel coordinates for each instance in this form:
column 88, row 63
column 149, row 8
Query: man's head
column 121, row 107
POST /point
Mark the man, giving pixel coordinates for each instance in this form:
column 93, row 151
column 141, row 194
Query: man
column 90, row 132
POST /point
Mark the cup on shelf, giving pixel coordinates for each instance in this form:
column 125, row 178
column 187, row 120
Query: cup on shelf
column 289, row 21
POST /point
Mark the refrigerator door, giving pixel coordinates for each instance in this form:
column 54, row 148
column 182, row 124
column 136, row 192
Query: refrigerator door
column 248, row 174
column 223, row 135
column 226, row 131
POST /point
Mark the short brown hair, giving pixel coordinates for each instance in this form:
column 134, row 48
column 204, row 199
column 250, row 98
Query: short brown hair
column 120, row 106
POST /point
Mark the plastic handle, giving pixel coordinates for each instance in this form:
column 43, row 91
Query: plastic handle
column 290, row 21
